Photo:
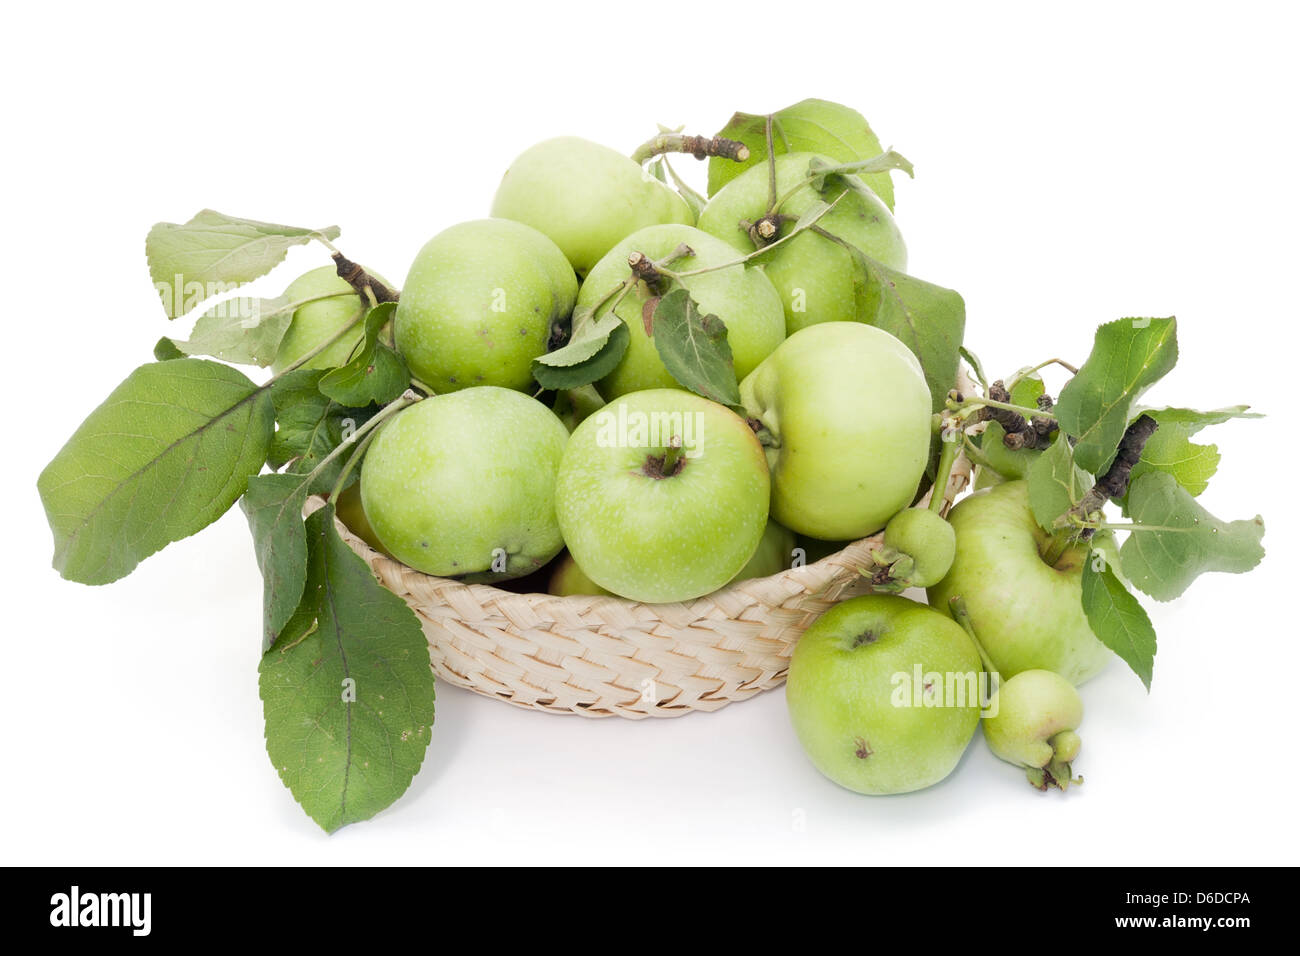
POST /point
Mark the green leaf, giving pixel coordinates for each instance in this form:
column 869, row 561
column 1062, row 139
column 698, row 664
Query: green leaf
column 214, row 253
column 589, row 338
column 165, row 350
column 849, row 175
column 929, row 319
column 1128, row 356
column 1171, row 449
column 165, row 455
column 310, row 426
column 589, row 370
column 1195, row 420
column 242, row 330
column 273, row 505
column 693, row 346
column 1056, row 484
column 1026, row 391
column 1117, row 618
column 976, row 367
column 814, row 126
column 376, row 372
column 1180, row 540
column 349, row 703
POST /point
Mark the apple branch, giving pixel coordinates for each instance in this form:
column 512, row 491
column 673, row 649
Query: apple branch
column 701, row 147
column 1020, row 431
column 361, row 280
column 1114, row 483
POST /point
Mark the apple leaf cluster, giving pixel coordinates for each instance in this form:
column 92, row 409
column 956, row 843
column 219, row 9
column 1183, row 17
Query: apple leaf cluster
column 346, row 683
column 1170, row 538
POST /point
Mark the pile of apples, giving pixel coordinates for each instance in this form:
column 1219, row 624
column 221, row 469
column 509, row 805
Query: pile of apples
column 615, row 386
column 641, row 489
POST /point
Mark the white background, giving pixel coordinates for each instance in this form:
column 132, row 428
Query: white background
column 1073, row 165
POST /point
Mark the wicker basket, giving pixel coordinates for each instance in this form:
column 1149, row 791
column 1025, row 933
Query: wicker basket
column 604, row 656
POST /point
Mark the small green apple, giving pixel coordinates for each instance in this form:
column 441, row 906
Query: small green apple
column 1028, row 614
column 741, row 297
column 568, row 579
column 816, row 277
column 773, row 555
column 463, row 485
column 662, row 495
column 884, row 694
column 329, row 304
column 574, row 405
column 847, row 415
column 585, row 196
column 1034, row 716
column 927, row 540
column 479, row 304
column 350, row 511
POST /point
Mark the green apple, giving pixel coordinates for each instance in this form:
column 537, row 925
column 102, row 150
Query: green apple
column 1032, row 722
column 574, row 405
column 479, row 304
column 816, row 277
column 927, row 540
column 568, row 579
column 1028, row 614
column 350, row 511
column 328, row 304
column 662, row 495
column 847, row 415
column 741, row 297
column 773, row 555
column 463, row 485
column 585, row 196
column 884, row 694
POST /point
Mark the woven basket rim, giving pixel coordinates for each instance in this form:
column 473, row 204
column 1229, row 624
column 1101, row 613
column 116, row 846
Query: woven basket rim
column 812, row 576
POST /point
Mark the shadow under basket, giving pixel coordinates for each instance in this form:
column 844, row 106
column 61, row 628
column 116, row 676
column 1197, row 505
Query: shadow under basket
column 605, row 656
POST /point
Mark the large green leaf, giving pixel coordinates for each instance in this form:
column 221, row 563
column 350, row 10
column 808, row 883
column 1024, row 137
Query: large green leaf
column 1171, row 449
column 273, row 505
column 1128, row 356
column 349, row 698
column 1056, row 484
column 813, row 126
column 1175, row 539
column 929, row 319
column 165, row 455
column 214, row 253
column 693, row 346
column 1117, row 618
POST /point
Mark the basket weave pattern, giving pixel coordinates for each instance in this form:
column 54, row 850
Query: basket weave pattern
column 603, row 656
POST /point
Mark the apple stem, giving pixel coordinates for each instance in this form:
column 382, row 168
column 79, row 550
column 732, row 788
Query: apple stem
column 361, row 280
column 701, row 147
column 947, row 457
column 1056, row 547
column 957, row 605
column 1039, row 367
column 671, row 456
